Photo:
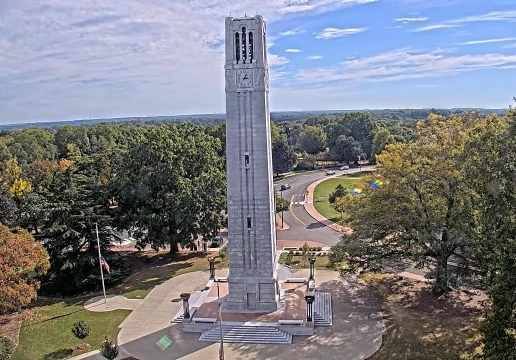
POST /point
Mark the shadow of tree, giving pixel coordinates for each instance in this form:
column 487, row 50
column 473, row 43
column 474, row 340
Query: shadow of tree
column 315, row 225
column 58, row 354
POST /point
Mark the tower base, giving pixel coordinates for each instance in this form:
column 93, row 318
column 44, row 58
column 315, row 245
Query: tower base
column 252, row 295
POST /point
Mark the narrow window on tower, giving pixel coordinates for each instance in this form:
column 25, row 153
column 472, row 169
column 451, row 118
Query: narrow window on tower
column 244, row 52
column 249, row 224
column 246, row 159
column 251, row 50
column 237, row 47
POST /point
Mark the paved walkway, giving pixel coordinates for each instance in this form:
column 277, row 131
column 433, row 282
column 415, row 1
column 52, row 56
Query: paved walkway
column 355, row 335
column 278, row 223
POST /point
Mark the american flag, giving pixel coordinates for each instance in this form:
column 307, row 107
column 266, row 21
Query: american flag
column 104, row 264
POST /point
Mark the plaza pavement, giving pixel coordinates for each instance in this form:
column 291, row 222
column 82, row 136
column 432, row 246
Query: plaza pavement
column 356, row 332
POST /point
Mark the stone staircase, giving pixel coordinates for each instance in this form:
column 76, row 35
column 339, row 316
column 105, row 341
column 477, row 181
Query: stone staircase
column 252, row 334
column 178, row 318
column 322, row 309
column 284, row 272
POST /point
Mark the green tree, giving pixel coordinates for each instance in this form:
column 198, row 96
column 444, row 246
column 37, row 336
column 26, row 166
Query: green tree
column 283, row 157
column 281, row 204
column 346, row 149
column 423, row 211
column 32, row 144
column 382, row 138
column 312, row 140
column 77, row 199
column 339, row 192
column 491, row 164
column 170, row 185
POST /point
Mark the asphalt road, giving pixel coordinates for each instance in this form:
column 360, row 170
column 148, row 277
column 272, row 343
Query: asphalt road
column 302, row 225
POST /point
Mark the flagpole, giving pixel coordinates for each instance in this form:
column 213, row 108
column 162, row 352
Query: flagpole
column 100, row 263
column 221, row 350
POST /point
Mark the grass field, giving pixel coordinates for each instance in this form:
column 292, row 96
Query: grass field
column 321, row 262
column 47, row 335
column 325, row 188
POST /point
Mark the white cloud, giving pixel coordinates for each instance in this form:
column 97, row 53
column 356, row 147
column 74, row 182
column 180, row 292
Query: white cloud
column 65, row 59
column 394, row 27
column 510, row 46
column 295, row 31
column 405, row 64
column 435, row 27
column 488, row 41
column 509, row 15
column 293, row 50
column 409, row 20
column 333, row 33
column 314, row 57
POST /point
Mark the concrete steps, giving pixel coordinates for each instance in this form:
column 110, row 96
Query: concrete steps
column 247, row 334
column 178, row 318
column 284, row 272
column 322, row 309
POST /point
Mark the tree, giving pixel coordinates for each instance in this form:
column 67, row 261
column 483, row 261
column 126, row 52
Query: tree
column 81, row 329
column 491, row 164
column 281, row 204
column 423, row 211
column 170, row 185
column 76, row 201
column 283, row 157
column 8, row 207
column 312, row 140
column 22, row 261
column 109, row 349
column 346, row 149
column 339, row 192
column 382, row 138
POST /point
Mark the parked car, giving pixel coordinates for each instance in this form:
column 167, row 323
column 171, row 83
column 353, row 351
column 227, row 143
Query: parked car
column 285, row 187
column 217, row 242
column 345, row 167
column 330, row 172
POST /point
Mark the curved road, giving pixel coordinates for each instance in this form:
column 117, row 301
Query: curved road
column 302, row 225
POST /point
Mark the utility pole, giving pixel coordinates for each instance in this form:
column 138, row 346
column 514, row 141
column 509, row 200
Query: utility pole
column 281, row 193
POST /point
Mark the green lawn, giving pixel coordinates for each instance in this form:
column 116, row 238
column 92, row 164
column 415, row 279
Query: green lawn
column 325, row 188
column 321, row 262
column 48, row 334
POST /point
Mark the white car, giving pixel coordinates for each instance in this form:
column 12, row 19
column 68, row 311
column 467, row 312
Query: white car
column 330, row 172
column 345, row 167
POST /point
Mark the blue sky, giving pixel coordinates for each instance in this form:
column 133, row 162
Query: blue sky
column 71, row 59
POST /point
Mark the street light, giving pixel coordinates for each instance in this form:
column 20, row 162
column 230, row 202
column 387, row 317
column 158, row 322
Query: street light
column 281, row 193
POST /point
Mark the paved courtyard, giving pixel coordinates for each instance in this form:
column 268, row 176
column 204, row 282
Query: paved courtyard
column 356, row 332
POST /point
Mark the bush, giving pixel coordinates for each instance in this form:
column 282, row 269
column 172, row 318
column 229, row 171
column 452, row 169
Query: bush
column 304, row 165
column 6, row 348
column 109, row 349
column 80, row 329
column 289, row 257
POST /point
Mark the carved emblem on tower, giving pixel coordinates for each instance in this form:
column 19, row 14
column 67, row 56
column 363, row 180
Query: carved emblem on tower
column 230, row 79
column 258, row 76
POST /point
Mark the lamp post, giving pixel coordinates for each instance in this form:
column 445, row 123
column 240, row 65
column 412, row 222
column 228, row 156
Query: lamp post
column 309, row 301
column 312, row 259
column 186, row 310
column 212, row 268
column 281, row 193
column 221, row 350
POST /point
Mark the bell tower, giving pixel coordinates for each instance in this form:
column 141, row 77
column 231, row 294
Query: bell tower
column 252, row 279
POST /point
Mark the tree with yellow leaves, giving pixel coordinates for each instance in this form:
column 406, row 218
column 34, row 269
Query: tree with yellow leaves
column 22, row 260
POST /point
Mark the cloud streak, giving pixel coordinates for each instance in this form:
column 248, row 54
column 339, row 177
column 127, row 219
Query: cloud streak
column 334, row 33
column 293, row 50
column 487, row 41
column 405, row 64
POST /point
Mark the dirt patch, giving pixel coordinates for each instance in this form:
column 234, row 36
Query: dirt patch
column 10, row 326
column 421, row 325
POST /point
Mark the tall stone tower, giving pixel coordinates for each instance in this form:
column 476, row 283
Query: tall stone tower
column 252, row 276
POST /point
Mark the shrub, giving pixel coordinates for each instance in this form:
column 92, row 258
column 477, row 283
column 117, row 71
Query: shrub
column 6, row 348
column 289, row 257
column 304, row 165
column 80, row 329
column 109, row 349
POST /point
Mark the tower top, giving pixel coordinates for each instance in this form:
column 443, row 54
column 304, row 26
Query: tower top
column 245, row 41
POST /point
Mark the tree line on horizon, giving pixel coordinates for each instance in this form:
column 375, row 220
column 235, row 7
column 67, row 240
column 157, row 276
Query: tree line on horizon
column 167, row 183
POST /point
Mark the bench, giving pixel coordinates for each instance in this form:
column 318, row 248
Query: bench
column 205, row 320
column 291, row 322
column 296, row 280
